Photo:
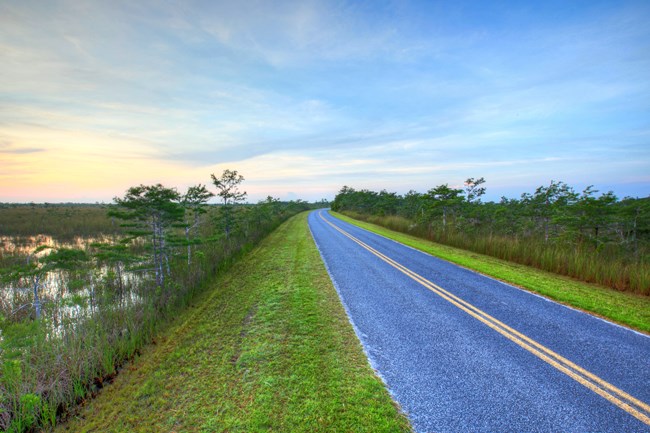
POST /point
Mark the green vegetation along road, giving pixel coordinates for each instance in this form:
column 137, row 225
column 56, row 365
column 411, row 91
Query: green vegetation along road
column 269, row 349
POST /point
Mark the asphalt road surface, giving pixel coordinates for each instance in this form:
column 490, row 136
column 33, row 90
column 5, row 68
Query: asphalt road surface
column 462, row 352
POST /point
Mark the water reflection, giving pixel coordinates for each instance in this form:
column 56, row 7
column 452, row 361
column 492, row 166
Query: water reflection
column 65, row 296
column 26, row 245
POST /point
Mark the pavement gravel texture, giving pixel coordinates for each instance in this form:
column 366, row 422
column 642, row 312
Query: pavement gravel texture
column 451, row 373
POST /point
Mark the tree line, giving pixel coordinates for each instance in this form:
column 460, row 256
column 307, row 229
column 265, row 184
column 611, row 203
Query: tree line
column 589, row 235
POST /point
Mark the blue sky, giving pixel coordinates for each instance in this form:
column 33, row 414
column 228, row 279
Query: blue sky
column 304, row 97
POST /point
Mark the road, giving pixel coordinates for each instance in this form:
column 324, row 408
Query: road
column 463, row 352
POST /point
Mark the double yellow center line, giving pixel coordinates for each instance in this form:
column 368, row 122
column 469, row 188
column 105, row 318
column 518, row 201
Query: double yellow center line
column 620, row 398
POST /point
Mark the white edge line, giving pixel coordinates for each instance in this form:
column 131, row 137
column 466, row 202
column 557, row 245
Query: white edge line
column 365, row 347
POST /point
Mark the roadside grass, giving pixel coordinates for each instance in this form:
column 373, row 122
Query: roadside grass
column 269, row 349
column 624, row 308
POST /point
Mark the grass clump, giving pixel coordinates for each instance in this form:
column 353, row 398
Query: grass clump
column 270, row 348
column 622, row 307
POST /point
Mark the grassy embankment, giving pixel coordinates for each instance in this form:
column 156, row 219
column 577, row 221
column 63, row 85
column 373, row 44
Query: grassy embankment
column 268, row 349
column 622, row 307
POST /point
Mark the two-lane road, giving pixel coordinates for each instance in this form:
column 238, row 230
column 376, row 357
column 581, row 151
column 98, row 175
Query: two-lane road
column 463, row 352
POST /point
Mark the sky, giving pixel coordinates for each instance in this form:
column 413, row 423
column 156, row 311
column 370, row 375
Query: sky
column 304, row 97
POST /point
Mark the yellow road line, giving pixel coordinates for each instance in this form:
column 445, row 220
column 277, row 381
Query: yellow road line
column 614, row 395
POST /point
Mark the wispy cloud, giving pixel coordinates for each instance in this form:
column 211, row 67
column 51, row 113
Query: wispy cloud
column 19, row 151
column 7, row 147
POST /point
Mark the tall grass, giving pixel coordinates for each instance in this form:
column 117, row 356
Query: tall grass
column 603, row 266
column 48, row 365
column 62, row 222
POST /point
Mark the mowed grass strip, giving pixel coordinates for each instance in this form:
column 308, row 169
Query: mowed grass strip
column 269, row 349
column 625, row 308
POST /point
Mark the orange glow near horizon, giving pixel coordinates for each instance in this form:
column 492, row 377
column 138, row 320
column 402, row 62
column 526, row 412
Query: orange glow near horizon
column 54, row 165
column 50, row 164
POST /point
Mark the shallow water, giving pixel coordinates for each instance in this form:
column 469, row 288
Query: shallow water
column 64, row 295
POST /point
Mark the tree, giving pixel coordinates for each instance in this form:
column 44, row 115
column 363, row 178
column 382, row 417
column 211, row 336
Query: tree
column 443, row 200
column 152, row 211
column 548, row 205
column 267, row 209
column 228, row 190
column 591, row 215
column 194, row 202
column 473, row 190
column 341, row 201
column 412, row 205
column 635, row 222
column 387, row 203
column 473, row 211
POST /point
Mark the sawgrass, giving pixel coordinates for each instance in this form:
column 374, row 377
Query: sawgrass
column 63, row 222
column 270, row 348
column 609, row 265
column 625, row 308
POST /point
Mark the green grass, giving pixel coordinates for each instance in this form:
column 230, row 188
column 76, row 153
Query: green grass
column 622, row 307
column 270, row 348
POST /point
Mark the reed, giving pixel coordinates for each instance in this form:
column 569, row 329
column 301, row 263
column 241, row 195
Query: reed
column 62, row 222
